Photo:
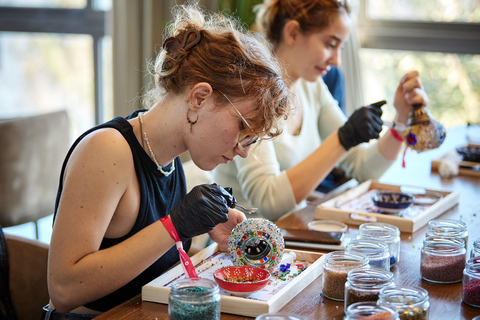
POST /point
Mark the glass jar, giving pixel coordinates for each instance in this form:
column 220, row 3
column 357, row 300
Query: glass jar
column 411, row 302
column 475, row 249
column 376, row 251
column 442, row 259
column 471, row 283
column 384, row 232
column 279, row 316
column 335, row 270
column 448, row 228
column 365, row 284
column 194, row 298
column 370, row 310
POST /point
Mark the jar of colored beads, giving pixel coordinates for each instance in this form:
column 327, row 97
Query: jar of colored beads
column 476, row 249
column 384, row 232
column 442, row 259
column 376, row 251
column 370, row 310
column 365, row 284
column 335, row 270
column 448, row 228
column 471, row 283
column 194, row 298
column 411, row 302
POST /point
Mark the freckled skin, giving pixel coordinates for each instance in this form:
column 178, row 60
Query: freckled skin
column 111, row 202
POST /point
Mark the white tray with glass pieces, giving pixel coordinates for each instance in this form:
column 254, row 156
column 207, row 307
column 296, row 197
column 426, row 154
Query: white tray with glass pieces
column 357, row 206
column 282, row 287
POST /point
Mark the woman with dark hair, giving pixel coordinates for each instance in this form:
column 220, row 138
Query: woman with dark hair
column 307, row 36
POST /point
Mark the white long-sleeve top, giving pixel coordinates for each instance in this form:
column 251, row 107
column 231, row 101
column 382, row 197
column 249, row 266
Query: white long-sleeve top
column 260, row 180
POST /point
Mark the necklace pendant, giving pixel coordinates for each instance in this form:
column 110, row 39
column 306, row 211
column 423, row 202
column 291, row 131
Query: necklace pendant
column 166, row 174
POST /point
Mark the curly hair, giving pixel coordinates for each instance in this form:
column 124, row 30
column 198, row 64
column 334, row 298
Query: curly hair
column 233, row 61
column 312, row 15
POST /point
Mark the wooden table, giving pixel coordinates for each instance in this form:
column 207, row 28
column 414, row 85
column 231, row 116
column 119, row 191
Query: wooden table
column 445, row 299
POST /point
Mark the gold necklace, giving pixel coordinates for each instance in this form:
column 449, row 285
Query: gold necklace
column 152, row 155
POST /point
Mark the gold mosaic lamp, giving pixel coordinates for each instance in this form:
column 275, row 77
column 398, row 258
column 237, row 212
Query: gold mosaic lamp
column 423, row 133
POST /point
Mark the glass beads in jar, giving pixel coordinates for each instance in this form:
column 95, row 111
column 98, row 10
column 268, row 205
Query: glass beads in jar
column 194, row 298
column 376, row 251
column 448, row 228
column 370, row 310
column 411, row 302
column 475, row 249
column 442, row 259
column 471, row 283
column 365, row 284
column 384, row 232
column 335, row 270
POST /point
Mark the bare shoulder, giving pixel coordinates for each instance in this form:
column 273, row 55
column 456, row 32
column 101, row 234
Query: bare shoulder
column 102, row 154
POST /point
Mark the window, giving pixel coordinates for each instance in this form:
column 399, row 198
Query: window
column 55, row 57
column 440, row 39
column 45, row 3
column 55, row 54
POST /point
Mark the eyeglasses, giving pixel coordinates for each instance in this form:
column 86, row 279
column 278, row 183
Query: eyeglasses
column 247, row 140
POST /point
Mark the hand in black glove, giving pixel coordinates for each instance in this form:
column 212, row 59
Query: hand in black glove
column 233, row 202
column 201, row 210
column 364, row 124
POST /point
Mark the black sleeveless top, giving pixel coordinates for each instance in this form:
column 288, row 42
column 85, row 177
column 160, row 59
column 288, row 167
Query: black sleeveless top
column 158, row 195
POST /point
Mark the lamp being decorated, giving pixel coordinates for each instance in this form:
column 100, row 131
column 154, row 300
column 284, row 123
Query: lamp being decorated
column 423, row 132
column 256, row 242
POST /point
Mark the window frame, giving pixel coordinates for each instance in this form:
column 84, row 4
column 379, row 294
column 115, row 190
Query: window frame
column 85, row 21
column 445, row 37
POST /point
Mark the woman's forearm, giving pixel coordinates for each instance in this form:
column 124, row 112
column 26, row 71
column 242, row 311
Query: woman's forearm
column 74, row 283
column 307, row 175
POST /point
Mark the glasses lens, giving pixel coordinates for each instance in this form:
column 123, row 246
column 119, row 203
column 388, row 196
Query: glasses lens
column 248, row 141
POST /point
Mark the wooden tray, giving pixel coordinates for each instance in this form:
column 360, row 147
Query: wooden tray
column 342, row 208
column 465, row 168
column 270, row 299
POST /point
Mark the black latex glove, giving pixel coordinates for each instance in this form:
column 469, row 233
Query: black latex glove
column 233, row 202
column 364, row 124
column 201, row 210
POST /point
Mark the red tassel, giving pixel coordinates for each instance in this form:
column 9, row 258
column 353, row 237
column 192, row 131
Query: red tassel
column 403, row 158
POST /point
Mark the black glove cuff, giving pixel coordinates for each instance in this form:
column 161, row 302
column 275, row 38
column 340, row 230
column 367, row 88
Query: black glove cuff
column 343, row 138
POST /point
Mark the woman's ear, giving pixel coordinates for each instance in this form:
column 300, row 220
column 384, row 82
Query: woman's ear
column 290, row 32
column 198, row 94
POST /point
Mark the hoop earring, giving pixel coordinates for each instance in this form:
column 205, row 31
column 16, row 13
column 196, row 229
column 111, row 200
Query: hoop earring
column 191, row 123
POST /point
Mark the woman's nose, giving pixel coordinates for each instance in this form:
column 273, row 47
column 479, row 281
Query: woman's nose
column 335, row 59
column 243, row 152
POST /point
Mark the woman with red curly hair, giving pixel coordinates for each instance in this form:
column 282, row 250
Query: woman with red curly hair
column 217, row 91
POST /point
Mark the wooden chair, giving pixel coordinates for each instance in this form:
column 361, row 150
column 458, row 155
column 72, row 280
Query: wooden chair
column 23, row 277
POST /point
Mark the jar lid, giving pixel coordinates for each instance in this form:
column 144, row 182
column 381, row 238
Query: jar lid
column 327, row 226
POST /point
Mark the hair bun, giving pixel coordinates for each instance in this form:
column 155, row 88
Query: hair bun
column 171, row 44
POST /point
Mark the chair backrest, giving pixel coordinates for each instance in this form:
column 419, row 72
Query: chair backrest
column 27, row 261
column 7, row 312
column 32, row 150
